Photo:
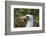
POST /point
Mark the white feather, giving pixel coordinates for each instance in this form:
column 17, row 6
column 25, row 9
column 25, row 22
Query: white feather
column 30, row 21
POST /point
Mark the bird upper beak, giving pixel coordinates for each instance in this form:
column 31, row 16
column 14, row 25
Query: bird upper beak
column 22, row 17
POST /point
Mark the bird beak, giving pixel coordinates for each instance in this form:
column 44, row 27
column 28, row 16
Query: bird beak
column 23, row 18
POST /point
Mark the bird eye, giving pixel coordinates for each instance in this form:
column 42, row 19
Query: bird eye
column 27, row 17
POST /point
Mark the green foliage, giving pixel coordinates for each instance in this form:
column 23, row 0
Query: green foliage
column 22, row 12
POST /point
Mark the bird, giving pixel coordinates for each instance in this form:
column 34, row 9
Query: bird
column 30, row 21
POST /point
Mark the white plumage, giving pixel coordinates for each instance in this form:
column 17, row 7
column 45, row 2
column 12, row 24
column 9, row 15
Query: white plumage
column 30, row 21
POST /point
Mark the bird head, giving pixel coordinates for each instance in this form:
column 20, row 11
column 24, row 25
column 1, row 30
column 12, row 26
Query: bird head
column 29, row 17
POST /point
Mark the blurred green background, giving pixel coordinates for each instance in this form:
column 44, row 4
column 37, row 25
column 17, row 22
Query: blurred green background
column 22, row 12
